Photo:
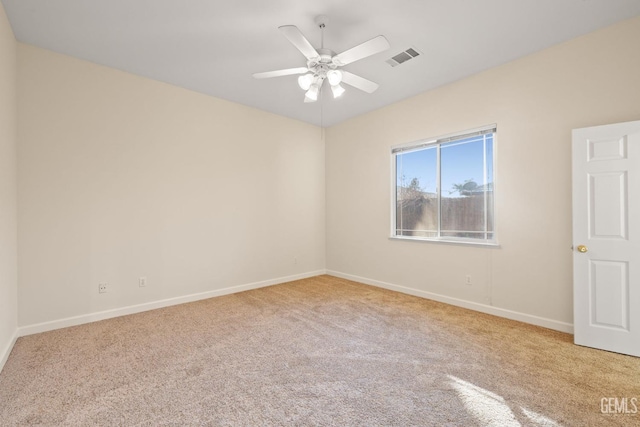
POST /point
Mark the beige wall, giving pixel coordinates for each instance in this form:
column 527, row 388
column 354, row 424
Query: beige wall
column 122, row 177
column 8, row 201
column 535, row 101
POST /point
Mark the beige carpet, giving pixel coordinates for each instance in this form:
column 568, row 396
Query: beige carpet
column 321, row 351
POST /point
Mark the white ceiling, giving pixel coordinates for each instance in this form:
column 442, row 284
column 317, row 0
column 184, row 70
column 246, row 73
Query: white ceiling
column 214, row 47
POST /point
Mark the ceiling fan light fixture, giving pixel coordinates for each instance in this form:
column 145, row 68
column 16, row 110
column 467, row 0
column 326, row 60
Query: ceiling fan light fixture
column 323, row 64
column 305, row 81
column 337, row 90
column 312, row 93
column 334, row 77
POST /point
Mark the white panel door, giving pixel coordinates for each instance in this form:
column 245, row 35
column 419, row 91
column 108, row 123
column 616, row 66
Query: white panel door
column 606, row 237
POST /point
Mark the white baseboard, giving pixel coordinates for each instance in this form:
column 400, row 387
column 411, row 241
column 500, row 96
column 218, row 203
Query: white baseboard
column 132, row 309
column 108, row 314
column 483, row 308
column 4, row 354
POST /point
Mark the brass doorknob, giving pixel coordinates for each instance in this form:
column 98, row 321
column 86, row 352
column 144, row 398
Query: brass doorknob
column 582, row 249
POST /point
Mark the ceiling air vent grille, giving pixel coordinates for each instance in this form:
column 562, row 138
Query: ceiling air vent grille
column 402, row 57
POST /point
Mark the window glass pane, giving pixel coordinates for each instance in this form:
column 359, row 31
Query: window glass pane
column 466, row 184
column 444, row 189
column 416, row 198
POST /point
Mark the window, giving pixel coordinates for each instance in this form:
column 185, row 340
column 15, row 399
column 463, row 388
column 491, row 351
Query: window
column 444, row 188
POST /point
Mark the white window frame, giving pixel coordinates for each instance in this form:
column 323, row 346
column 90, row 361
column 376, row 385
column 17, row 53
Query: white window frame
column 443, row 139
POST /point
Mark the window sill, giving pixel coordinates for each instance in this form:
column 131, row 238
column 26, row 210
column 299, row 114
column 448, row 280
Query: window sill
column 447, row 241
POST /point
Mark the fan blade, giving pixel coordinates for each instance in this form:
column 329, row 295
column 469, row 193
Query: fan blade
column 368, row 48
column 278, row 73
column 293, row 34
column 359, row 82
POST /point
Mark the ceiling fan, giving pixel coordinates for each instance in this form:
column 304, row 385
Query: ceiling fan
column 323, row 64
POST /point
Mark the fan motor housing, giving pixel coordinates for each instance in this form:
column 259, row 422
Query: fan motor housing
column 323, row 61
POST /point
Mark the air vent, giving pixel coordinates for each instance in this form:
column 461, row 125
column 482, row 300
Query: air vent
column 402, row 57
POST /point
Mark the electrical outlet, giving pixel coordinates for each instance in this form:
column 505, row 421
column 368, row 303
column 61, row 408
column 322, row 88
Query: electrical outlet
column 102, row 288
column 295, row 260
column 142, row 281
column 468, row 279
